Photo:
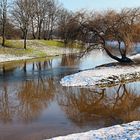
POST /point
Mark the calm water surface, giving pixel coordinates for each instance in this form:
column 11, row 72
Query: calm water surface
column 34, row 105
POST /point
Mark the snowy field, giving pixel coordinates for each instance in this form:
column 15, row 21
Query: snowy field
column 130, row 131
column 104, row 75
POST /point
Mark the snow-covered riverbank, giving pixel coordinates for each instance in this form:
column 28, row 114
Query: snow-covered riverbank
column 37, row 49
column 6, row 58
column 130, row 131
column 48, row 52
column 104, row 76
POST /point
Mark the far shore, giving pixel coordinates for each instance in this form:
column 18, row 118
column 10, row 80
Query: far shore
column 14, row 50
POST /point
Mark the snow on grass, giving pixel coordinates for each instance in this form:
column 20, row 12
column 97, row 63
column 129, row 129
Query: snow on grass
column 44, row 52
column 130, row 131
column 104, row 76
column 52, row 51
column 35, row 49
column 5, row 57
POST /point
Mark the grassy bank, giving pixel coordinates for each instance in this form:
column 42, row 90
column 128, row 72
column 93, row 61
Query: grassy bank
column 35, row 48
column 51, row 43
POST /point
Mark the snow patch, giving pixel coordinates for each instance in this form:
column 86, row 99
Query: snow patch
column 117, row 132
column 137, row 56
column 5, row 58
column 102, row 75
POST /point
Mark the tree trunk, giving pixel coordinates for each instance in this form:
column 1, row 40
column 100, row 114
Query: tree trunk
column 50, row 34
column 124, row 59
column 44, row 31
column 25, row 39
column 39, row 33
column 33, row 32
column 4, row 19
column 3, row 33
column 39, row 30
column 44, row 35
column 3, row 40
column 25, row 43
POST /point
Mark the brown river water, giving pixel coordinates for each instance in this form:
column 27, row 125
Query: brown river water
column 35, row 106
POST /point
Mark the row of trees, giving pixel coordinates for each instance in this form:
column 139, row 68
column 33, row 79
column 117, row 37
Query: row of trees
column 38, row 18
column 46, row 19
column 99, row 28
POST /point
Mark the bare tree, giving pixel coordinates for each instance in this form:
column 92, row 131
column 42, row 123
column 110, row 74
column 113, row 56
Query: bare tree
column 68, row 26
column 52, row 17
column 113, row 26
column 21, row 13
column 63, row 24
column 33, row 18
column 3, row 18
column 41, row 10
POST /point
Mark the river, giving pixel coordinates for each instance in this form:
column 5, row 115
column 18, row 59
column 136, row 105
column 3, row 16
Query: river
column 35, row 106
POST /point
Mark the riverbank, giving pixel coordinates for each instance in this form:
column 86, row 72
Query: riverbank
column 105, row 76
column 117, row 132
column 35, row 49
column 7, row 58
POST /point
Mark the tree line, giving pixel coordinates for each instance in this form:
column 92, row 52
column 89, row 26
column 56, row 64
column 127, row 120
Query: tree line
column 37, row 18
column 48, row 19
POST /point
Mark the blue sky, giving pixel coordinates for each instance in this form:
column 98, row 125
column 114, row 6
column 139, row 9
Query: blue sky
column 99, row 4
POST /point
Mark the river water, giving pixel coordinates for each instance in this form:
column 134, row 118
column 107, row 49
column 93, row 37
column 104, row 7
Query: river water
column 34, row 105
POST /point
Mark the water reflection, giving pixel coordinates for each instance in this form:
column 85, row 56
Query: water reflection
column 28, row 100
column 33, row 101
column 109, row 106
column 33, row 97
column 5, row 112
column 70, row 60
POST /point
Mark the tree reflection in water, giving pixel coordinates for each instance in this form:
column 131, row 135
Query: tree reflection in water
column 27, row 90
column 5, row 112
column 25, row 100
column 70, row 60
column 34, row 96
column 113, row 106
column 28, row 101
